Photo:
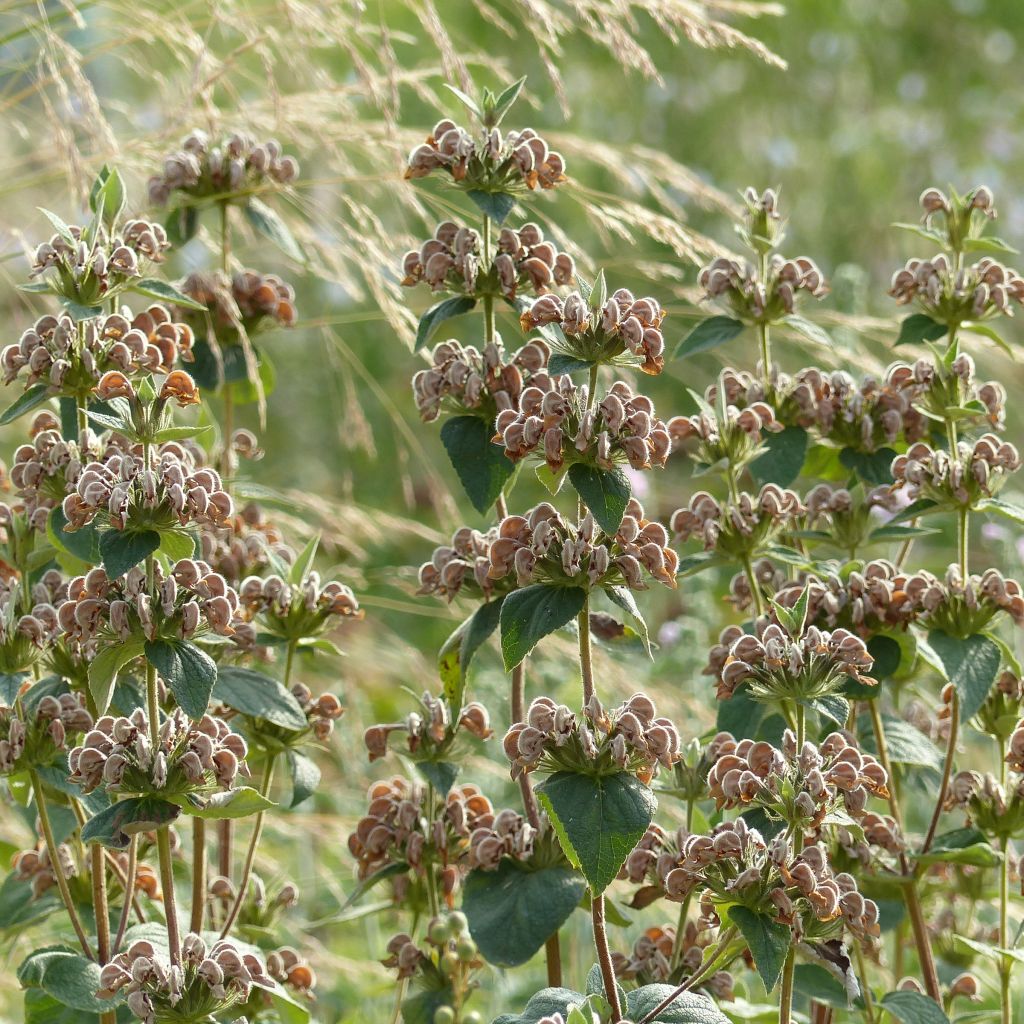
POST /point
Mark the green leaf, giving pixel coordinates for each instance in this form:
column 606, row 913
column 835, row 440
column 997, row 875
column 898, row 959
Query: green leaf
column 122, row 550
column 496, row 205
column 623, row 597
column 454, row 658
column 115, row 826
column 481, row 465
column 913, row 1008
column 181, row 225
column 532, row 613
column 767, row 940
column 988, row 331
column 388, row 871
column 512, row 911
column 176, row 544
column 691, row 565
column 66, row 976
column 232, row 803
column 546, row 1003
column 155, row 288
column 20, row 907
column 962, row 846
column 815, row 982
column 810, row 330
column 61, row 228
column 78, row 312
column 971, row 665
column 560, row 363
column 33, row 397
column 1002, row 508
column 82, row 544
column 989, row 243
column 898, row 533
column 686, row 1008
column 440, row 774
column 551, row 479
column 872, row 467
column 180, row 433
column 446, row 309
column 740, row 714
column 783, row 459
column 599, row 820
column 831, row 706
column 906, row 744
column 503, row 102
column 104, row 667
column 919, row 327
column 267, row 223
column 708, row 334
column 305, row 776
column 604, row 491
column 921, row 507
column 259, row 696
column 108, row 195
column 466, row 100
column 190, row 673
column 303, row 564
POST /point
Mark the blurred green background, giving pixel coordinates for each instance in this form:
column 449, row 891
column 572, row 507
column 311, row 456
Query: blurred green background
column 879, row 100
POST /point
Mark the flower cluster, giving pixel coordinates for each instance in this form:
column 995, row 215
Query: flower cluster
column 296, row 611
column 628, row 738
column 175, row 491
column 542, row 547
column 462, row 566
column 236, row 164
column 191, row 599
column 208, row 982
column 561, row 424
column 71, row 358
column 976, row 471
column 735, row 862
column 466, row 380
column 742, row 527
column 249, row 302
column 962, row 607
column 650, row 960
column 190, row 757
column 601, row 334
column 32, row 735
column 450, row 261
column 321, row 712
column 287, row 967
column 35, row 867
column 994, row 808
column 90, row 270
column 508, row 834
column 737, row 438
column 952, row 295
column 431, row 729
column 246, row 546
column 801, row 786
column 738, row 289
column 776, row 662
column 25, row 636
column 491, row 162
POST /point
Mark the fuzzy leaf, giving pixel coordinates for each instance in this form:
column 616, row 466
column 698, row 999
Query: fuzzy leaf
column 530, row 614
column 122, row 550
column 599, row 820
column 783, row 458
column 155, row 288
column 913, row 1008
column 115, row 826
column 446, row 309
column 872, row 467
column 962, row 846
column 104, row 667
column 66, row 976
column 305, row 776
column 623, row 597
column 258, row 696
column 190, row 673
column 546, row 1003
column 810, row 330
column 34, row 397
column 971, row 665
column 919, row 327
column 767, row 940
column 232, row 803
column 82, row 544
column 496, row 205
column 687, row 1008
column 272, row 227
column 513, row 911
column 560, row 363
column 708, row 334
column 481, row 465
column 605, row 492
column 454, row 658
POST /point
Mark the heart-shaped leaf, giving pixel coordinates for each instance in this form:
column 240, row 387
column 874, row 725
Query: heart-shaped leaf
column 190, row 673
column 708, row 334
column 446, row 309
column 604, row 491
column 768, row 941
column 913, row 1008
column 115, row 826
column 258, row 696
column 512, row 911
column 481, row 465
column 919, row 327
column 122, row 550
column 305, row 776
column 599, row 819
column 783, row 458
column 970, row 664
column 532, row 613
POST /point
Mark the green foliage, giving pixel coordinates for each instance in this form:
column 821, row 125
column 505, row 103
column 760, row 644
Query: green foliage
column 481, row 465
column 190, row 673
column 530, row 614
column 605, row 492
column 769, row 942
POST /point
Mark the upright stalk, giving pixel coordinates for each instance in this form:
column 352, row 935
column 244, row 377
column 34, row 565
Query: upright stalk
column 198, row 875
column 604, row 958
column 586, row 653
column 129, row 893
column 1005, row 961
column 58, row 870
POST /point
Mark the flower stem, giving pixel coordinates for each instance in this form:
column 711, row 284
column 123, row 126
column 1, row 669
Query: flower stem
column 198, row 875
column 962, row 534
column 586, row 654
column 786, row 995
column 250, row 853
column 947, row 771
column 129, row 893
column 58, row 870
column 1005, row 962
column 922, row 940
column 604, row 957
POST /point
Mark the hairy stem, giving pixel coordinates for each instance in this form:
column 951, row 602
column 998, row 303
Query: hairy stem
column 786, row 994
column 922, row 940
column 961, row 536
column 1005, row 962
column 865, row 987
column 250, row 853
column 586, row 654
column 198, row 875
column 947, row 771
column 129, row 893
column 101, row 909
column 604, row 957
column 58, row 870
